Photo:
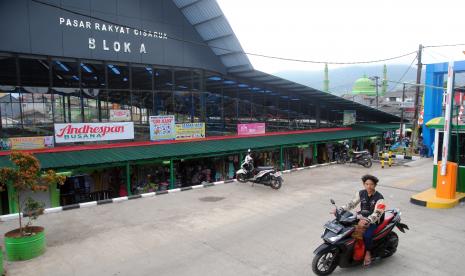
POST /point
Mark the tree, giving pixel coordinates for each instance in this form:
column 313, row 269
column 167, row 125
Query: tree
column 27, row 176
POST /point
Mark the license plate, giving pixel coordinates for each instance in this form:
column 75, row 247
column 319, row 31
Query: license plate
column 335, row 228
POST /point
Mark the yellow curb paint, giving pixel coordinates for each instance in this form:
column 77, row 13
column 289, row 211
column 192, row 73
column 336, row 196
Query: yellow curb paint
column 433, row 202
column 441, row 205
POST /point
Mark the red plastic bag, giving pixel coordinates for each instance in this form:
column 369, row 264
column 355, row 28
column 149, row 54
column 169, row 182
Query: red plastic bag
column 359, row 250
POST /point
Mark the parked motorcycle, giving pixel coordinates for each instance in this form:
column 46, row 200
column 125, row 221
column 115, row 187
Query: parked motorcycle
column 267, row 176
column 359, row 157
column 338, row 246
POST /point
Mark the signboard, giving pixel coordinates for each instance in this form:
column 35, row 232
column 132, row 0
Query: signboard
column 407, row 104
column 250, row 129
column 87, row 132
column 26, row 143
column 190, row 131
column 349, row 117
column 124, row 31
column 120, row 115
column 162, row 128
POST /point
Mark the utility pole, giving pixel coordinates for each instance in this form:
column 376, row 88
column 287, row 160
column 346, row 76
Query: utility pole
column 414, row 142
column 402, row 113
column 376, row 78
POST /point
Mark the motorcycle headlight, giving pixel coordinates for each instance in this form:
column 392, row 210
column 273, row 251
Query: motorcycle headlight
column 338, row 237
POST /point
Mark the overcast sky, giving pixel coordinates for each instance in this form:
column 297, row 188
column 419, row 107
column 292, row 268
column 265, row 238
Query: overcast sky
column 342, row 30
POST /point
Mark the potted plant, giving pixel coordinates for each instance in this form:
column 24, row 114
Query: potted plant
column 27, row 241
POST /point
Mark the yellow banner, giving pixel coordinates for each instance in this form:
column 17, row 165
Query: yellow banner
column 26, row 143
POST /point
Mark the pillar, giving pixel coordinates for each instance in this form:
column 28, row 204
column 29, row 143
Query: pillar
column 172, row 178
column 128, row 178
column 12, row 204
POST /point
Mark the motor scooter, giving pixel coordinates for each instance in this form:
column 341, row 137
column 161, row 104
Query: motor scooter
column 339, row 244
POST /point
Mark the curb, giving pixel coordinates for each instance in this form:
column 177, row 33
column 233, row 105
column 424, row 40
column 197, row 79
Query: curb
column 428, row 199
column 406, row 157
column 436, row 205
column 152, row 194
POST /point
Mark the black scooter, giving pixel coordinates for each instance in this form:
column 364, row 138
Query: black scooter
column 338, row 246
column 359, row 157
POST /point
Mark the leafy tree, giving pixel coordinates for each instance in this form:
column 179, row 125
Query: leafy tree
column 27, row 176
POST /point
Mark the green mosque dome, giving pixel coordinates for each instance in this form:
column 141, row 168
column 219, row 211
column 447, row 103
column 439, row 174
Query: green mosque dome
column 364, row 86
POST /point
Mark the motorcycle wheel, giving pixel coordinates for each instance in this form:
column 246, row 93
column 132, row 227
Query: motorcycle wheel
column 392, row 240
column 241, row 178
column 343, row 159
column 368, row 163
column 276, row 183
column 324, row 263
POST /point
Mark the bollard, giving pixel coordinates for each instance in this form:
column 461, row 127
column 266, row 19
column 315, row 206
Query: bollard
column 390, row 158
column 381, row 159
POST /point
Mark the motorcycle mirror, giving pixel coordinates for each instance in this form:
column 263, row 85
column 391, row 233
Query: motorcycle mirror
column 332, row 201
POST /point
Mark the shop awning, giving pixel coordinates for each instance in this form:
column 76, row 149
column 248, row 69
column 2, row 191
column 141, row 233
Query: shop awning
column 197, row 149
column 438, row 123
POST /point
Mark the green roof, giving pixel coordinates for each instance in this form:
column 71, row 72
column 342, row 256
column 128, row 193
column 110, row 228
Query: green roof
column 94, row 157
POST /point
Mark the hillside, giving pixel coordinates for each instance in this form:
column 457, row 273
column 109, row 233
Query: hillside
column 342, row 79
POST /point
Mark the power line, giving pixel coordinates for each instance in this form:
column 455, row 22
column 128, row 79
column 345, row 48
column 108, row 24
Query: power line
column 224, row 49
column 414, row 84
column 405, row 73
column 444, row 45
column 331, row 62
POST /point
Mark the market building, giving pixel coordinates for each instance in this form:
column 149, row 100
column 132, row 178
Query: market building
column 126, row 97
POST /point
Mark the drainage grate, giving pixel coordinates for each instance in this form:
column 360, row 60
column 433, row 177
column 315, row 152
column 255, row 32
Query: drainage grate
column 211, row 198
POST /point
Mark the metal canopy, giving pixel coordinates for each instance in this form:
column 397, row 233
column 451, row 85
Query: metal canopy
column 211, row 24
column 285, row 87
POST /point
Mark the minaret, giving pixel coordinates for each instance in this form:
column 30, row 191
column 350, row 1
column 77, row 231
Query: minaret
column 384, row 84
column 326, row 81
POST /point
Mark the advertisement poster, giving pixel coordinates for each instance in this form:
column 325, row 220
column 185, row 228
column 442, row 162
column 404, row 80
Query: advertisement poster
column 26, row 143
column 349, row 117
column 120, row 115
column 162, row 128
column 250, row 129
column 87, row 132
column 5, row 144
column 190, row 131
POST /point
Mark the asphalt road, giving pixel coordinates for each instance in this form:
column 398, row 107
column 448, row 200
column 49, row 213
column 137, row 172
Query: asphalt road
column 239, row 229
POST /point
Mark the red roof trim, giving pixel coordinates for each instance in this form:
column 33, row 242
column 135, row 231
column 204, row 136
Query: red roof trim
column 149, row 143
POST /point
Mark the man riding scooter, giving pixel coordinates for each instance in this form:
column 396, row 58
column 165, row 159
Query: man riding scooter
column 261, row 175
column 371, row 214
column 248, row 160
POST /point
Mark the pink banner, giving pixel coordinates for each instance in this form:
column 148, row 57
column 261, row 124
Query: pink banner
column 250, row 129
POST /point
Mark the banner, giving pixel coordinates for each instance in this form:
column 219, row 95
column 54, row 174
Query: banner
column 120, row 115
column 190, row 131
column 162, row 128
column 26, row 143
column 87, row 132
column 349, row 117
column 250, row 129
